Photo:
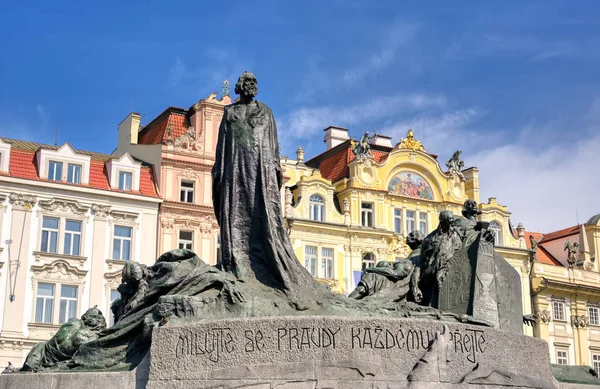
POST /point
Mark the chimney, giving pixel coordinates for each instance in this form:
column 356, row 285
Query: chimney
column 335, row 136
column 382, row 140
column 128, row 130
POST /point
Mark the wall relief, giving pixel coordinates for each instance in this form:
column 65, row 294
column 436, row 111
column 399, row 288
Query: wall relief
column 410, row 184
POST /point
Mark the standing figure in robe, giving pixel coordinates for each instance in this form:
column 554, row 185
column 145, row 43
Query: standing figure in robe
column 247, row 180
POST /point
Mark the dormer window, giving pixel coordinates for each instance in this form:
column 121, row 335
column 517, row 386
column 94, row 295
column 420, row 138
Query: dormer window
column 64, row 165
column 74, row 173
column 124, row 173
column 55, row 171
column 125, row 180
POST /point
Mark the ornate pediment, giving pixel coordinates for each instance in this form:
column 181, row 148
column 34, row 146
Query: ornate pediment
column 59, row 270
column 64, row 206
column 124, row 217
column 410, row 142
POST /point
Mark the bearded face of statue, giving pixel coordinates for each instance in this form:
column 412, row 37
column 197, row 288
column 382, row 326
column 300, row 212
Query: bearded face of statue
column 246, row 86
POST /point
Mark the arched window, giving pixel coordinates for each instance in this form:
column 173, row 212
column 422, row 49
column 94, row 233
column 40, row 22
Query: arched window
column 368, row 260
column 495, row 226
column 316, row 208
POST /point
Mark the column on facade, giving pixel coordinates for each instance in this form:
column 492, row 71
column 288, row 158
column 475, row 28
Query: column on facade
column 403, row 221
column 20, row 251
column 98, row 255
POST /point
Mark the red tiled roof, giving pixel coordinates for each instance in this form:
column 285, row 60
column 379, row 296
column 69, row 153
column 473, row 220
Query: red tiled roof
column 543, row 255
column 156, row 131
column 333, row 163
column 23, row 164
column 561, row 233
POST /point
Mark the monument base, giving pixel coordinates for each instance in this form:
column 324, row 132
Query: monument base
column 322, row 352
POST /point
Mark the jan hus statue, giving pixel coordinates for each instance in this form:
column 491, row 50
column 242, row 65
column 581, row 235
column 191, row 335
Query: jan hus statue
column 247, row 179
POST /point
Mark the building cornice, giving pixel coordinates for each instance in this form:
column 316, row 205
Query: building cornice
column 80, row 189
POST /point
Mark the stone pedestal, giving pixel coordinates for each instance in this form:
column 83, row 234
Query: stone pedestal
column 322, row 352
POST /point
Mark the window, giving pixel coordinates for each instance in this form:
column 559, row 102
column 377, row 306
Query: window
column 495, row 226
column 186, row 193
column 423, row 223
column 326, row 263
column 122, row 243
column 44, row 303
column 125, row 179
column 68, row 303
column 368, row 260
column 596, row 363
column 186, row 239
column 398, row 221
column 594, row 317
column 74, row 173
column 114, row 294
column 72, row 237
column 366, row 211
column 316, row 208
column 561, row 357
column 49, row 234
column 310, row 260
column 55, row 171
column 411, row 223
column 558, row 310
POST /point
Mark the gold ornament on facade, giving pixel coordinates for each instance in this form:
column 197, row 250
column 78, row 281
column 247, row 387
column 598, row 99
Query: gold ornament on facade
column 411, row 143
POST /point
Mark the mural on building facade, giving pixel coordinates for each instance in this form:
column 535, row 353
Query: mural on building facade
column 411, row 185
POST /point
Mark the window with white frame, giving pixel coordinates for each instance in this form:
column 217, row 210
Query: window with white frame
column 366, row 212
column 411, row 222
column 368, row 260
column 310, row 260
column 495, row 226
column 72, row 237
column 596, row 363
column 114, row 294
column 55, row 171
column 326, row 262
column 398, row 220
column 49, row 234
column 186, row 240
column 74, row 173
column 423, row 223
column 317, row 204
column 593, row 315
column 68, row 303
column 125, row 180
column 44, row 304
column 122, row 243
column 186, row 192
column 562, row 357
column 558, row 310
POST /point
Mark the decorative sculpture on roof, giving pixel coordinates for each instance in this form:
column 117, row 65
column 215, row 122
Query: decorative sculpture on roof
column 455, row 165
column 190, row 141
column 411, row 143
column 225, row 89
column 362, row 149
column 571, row 249
column 533, row 250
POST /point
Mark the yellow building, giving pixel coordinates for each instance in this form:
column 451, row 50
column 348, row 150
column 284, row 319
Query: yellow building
column 347, row 212
column 567, row 293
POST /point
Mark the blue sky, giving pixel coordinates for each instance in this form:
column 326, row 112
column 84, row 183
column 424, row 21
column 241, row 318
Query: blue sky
column 514, row 85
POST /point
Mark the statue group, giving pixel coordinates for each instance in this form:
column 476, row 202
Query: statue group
column 259, row 274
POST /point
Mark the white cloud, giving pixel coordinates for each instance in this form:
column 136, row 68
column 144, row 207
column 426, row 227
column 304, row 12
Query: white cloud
column 308, row 122
column 396, row 36
column 177, row 73
column 544, row 189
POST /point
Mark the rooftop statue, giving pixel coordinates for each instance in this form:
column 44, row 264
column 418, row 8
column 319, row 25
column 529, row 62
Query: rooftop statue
column 455, row 164
column 571, row 249
column 362, row 149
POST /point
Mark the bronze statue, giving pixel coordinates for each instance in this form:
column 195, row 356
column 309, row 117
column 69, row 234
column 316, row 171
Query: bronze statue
column 63, row 345
column 362, row 149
